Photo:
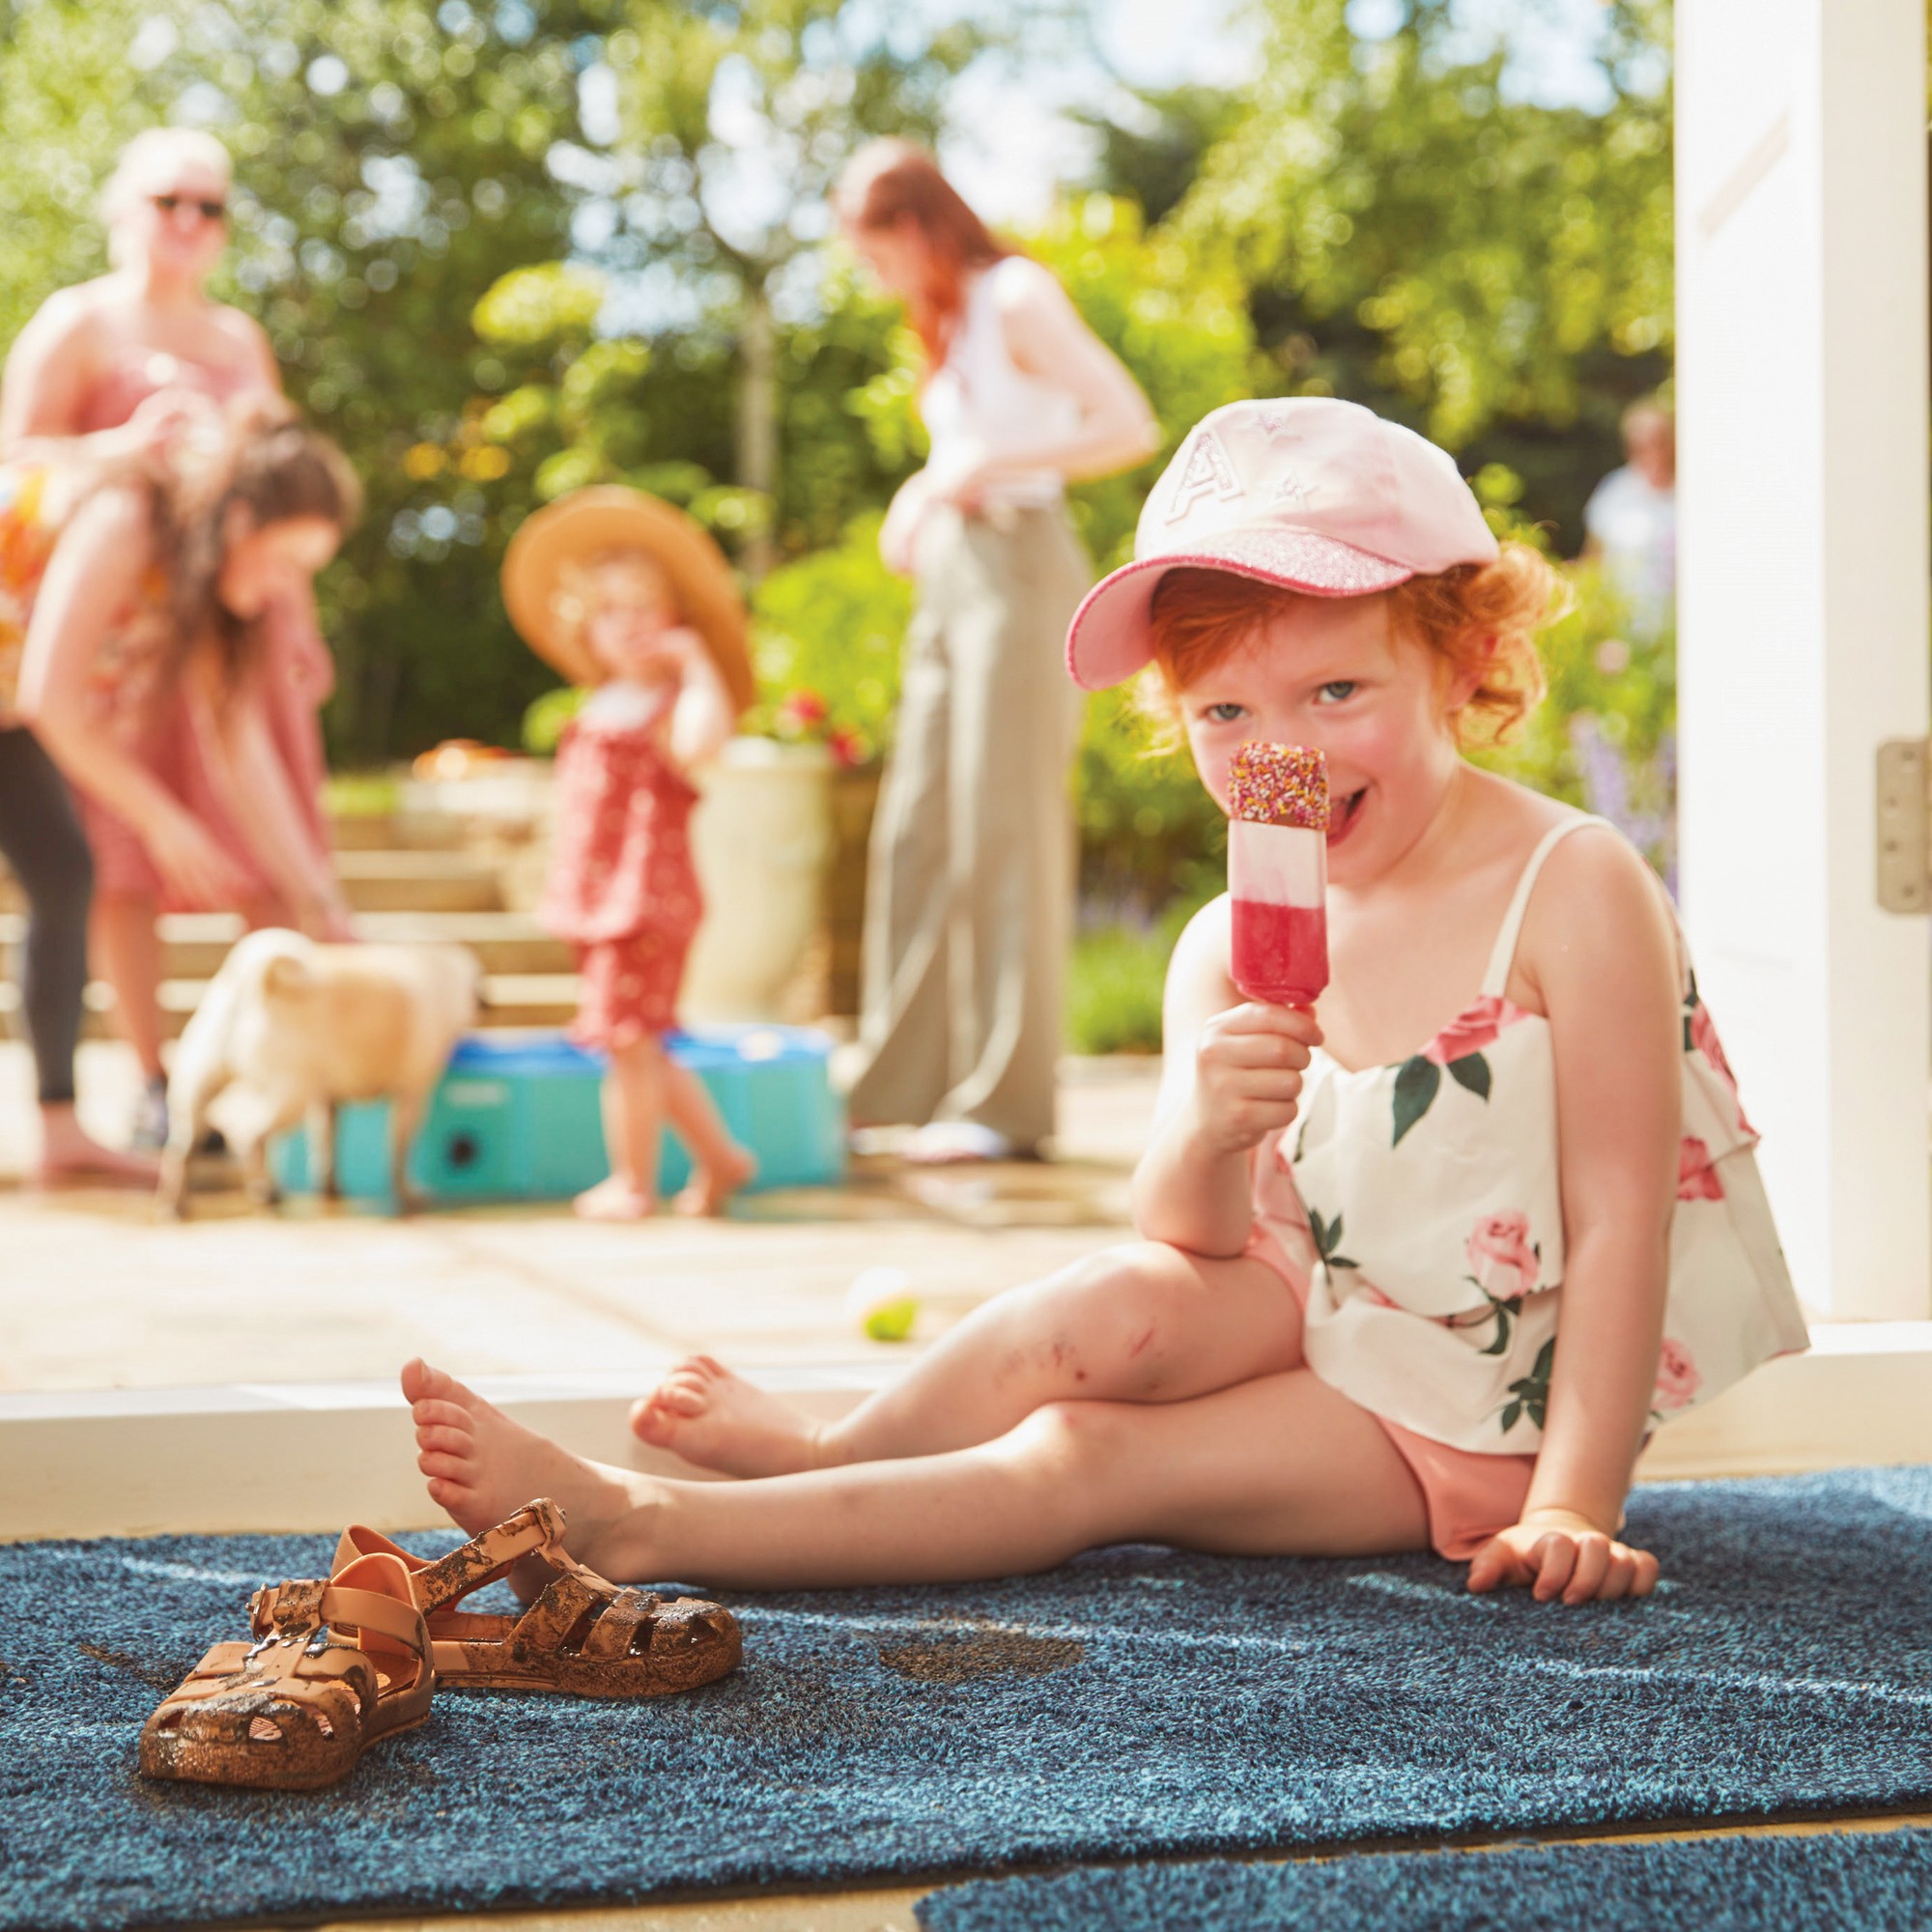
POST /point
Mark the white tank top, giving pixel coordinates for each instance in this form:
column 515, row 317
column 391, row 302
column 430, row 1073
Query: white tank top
column 980, row 403
column 1424, row 1200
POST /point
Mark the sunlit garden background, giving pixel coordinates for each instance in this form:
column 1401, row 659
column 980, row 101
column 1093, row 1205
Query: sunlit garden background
column 506, row 249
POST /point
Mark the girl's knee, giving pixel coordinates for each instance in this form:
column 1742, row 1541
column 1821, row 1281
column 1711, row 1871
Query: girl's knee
column 1136, row 1302
column 1073, row 1440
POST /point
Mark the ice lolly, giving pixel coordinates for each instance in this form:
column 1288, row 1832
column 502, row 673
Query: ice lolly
column 1278, row 872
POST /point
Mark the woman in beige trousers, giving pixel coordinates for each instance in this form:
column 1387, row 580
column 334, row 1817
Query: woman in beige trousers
column 970, row 892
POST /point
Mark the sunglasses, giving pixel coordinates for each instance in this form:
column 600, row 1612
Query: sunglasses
column 209, row 211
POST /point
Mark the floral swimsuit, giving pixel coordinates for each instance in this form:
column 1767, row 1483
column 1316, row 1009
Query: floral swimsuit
column 1418, row 1208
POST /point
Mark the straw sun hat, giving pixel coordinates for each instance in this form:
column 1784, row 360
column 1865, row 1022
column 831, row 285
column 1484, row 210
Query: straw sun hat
column 591, row 523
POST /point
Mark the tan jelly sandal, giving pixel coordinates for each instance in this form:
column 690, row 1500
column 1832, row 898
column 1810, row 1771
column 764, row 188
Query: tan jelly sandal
column 581, row 1635
column 347, row 1663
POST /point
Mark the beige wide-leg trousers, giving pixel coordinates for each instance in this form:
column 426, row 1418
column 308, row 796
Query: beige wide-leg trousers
column 970, row 885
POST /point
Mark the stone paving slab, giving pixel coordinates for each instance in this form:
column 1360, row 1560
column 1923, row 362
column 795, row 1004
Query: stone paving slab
column 94, row 1293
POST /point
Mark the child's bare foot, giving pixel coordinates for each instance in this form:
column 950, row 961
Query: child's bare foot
column 616, row 1200
column 720, row 1421
column 711, row 1186
column 482, row 1466
column 68, row 1154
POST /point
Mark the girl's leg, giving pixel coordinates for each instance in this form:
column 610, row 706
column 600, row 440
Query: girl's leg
column 1138, row 1323
column 720, row 1165
column 1280, row 1466
column 42, row 839
column 128, row 944
column 633, row 1113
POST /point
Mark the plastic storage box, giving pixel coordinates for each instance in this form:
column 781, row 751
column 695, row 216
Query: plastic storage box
column 517, row 1118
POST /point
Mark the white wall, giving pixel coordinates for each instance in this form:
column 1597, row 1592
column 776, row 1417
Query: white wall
column 1803, row 604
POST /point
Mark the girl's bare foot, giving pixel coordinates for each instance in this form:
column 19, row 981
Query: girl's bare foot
column 482, row 1466
column 66, row 1153
column 616, row 1200
column 720, row 1421
column 711, row 1186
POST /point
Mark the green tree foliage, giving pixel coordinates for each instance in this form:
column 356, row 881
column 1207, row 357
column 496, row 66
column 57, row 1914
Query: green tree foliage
column 1414, row 237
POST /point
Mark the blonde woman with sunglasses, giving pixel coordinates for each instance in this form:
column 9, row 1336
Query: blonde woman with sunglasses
column 112, row 374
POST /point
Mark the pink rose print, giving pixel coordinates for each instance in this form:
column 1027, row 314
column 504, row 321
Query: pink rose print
column 1677, row 1378
column 1697, row 1176
column 1505, row 1263
column 1704, row 1037
column 1471, row 1029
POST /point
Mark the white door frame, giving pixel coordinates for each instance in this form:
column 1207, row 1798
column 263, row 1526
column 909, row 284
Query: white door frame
column 1803, row 605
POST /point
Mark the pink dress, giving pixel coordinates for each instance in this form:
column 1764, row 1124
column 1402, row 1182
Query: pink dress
column 296, row 679
column 621, row 884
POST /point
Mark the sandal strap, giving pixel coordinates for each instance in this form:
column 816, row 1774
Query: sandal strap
column 535, row 1529
column 283, row 1613
column 282, row 1608
column 363, row 1610
column 616, row 1630
column 537, row 1526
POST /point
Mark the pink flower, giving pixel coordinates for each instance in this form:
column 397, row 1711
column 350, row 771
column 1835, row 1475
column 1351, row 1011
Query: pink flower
column 803, row 708
column 1677, row 1378
column 1471, row 1029
column 1704, row 1037
column 1696, row 1176
column 846, row 745
column 1505, row 1262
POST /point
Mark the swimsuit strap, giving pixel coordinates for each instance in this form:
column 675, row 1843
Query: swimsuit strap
column 1504, row 955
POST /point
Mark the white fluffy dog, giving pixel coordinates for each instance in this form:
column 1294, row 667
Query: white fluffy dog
column 291, row 1029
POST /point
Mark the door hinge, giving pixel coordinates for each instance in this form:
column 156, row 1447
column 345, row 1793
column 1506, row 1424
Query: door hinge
column 1904, row 839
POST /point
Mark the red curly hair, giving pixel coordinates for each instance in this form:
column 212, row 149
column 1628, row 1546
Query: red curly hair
column 888, row 181
column 1479, row 618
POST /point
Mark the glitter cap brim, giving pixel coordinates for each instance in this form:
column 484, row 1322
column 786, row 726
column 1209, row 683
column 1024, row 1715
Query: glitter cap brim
column 1110, row 639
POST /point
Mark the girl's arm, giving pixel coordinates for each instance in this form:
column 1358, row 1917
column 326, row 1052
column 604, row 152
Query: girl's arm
column 1599, row 945
column 703, row 717
column 91, row 578
column 255, row 787
column 1047, row 336
column 45, row 386
column 1232, row 1075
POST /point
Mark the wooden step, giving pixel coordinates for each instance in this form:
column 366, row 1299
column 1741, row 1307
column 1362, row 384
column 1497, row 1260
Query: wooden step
column 407, row 832
column 509, row 1000
column 194, row 943
column 391, row 881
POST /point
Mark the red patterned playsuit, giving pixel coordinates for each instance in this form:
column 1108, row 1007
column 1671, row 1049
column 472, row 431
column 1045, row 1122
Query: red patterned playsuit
column 621, row 881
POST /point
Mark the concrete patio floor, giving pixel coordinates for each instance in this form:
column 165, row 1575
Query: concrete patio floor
column 95, row 1294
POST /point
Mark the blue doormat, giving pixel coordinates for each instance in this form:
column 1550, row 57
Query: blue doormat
column 1137, row 1702
column 1836, row 1882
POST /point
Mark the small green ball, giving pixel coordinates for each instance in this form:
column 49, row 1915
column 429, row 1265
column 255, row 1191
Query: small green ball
column 891, row 1321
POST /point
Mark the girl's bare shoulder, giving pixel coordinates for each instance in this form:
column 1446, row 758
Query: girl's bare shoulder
column 1598, row 907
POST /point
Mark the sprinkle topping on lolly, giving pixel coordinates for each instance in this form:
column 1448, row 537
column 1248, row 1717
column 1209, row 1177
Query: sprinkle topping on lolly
column 1280, row 785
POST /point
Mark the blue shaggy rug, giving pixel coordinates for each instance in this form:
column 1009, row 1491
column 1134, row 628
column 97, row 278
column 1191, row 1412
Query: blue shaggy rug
column 1138, row 1702
column 1863, row 1882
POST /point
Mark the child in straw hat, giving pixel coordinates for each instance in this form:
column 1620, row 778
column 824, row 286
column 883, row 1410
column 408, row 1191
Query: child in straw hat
column 627, row 596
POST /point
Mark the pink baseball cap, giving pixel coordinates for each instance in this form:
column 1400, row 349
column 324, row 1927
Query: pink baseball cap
column 1305, row 491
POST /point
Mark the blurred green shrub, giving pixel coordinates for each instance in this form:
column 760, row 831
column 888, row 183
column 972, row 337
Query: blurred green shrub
column 1115, row 978
column 834, row 623
column 546, row 717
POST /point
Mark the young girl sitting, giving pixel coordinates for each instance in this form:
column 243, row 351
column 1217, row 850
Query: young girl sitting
column 628, row 596
column 1339, row 1334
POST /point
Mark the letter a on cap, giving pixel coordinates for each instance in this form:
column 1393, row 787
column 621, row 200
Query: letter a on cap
column 1207, row 470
